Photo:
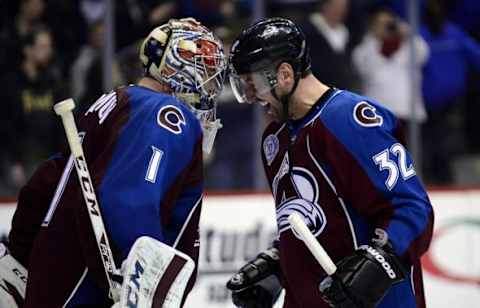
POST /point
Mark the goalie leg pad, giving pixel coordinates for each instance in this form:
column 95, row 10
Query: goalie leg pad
column 13, row 280
column 155, row 275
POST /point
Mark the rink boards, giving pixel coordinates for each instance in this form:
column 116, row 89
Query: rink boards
column 234, row 227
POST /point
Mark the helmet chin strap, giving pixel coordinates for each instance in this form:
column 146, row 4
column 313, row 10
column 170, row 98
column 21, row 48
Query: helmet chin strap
column 285, row 100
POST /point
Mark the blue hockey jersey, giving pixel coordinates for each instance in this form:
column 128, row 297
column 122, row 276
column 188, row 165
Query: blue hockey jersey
column 344, row 168
column 144, row 152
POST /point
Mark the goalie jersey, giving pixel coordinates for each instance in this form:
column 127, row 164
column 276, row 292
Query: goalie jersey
column 144, row 152
column 344, row 168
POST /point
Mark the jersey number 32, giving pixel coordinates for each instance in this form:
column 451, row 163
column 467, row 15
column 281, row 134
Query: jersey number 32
column 394, row 160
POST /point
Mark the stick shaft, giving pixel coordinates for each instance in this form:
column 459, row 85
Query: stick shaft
column 312, row 244
column 64, row 110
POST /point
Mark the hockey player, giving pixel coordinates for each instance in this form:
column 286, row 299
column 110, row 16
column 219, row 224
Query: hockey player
column 143, row 145
column 337, row 159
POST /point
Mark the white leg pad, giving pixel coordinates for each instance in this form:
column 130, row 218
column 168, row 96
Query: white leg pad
column 13, row 280
column 154, row 272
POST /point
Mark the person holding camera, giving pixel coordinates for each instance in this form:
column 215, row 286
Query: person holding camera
column 383, row 63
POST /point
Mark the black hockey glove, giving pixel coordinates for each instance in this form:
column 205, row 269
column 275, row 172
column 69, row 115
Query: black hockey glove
column 256, row 284
column 361, row 280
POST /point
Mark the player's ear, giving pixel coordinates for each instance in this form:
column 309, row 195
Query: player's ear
column 285, row 74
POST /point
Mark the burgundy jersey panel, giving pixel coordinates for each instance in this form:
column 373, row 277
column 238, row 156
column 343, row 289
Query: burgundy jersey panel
column 353, row 184
column 68, row 243
column 32, row 206
column 301, row 270
column 50, row 253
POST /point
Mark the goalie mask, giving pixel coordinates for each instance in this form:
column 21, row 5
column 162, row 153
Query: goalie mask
column 188, row 58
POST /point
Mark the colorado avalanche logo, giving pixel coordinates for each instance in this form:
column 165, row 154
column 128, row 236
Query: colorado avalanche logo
column 366, row 115
column 311, row 213
column 171, row 118
column 306, row 205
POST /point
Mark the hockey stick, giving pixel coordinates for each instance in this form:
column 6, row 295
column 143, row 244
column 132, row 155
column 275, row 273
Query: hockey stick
column 312, row 244
column 64, row 110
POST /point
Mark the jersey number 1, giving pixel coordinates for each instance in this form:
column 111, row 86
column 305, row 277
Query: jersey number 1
column 152, row 170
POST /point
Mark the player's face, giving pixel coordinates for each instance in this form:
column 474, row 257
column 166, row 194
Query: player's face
column 42, row 48
column 273, row 106
column 33, row 8
column 254, row 88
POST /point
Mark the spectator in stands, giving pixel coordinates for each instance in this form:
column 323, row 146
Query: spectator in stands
column 130, row 70
column 208, row 11
column 452, row 55
column 27, row 14
column 383, row 63
column 330, row 44
column 465, row 13
column 88, row 54
column 133, row 19
column 69, row 31
column 401, row 7
column 32, row 131
column 86, row 75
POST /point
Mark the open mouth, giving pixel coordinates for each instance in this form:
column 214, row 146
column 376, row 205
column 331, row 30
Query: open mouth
column 268, row 108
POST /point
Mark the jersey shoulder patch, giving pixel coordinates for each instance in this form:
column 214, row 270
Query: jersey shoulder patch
column 365, row 114
column 361, row 112
column 271, row 146
column 174, row 116
column 168, row 112
column 171, row 118
column 270, row 141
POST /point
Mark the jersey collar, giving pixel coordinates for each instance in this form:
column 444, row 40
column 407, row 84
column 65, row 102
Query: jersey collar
column 295, row 125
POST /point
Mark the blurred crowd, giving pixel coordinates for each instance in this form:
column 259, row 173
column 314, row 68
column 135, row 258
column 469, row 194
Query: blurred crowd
column 52, row 49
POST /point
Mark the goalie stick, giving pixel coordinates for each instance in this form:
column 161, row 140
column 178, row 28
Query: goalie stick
column 64, row 110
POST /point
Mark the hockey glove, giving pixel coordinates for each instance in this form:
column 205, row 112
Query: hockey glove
column 13, row 280
column 256, row 284
column 361, row 280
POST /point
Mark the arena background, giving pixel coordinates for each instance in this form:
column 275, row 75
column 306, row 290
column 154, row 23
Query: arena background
column 94, row 46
